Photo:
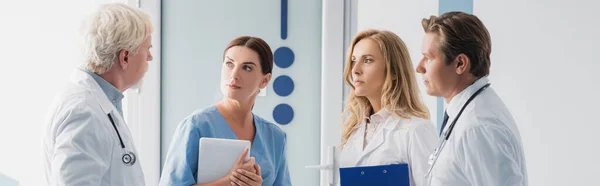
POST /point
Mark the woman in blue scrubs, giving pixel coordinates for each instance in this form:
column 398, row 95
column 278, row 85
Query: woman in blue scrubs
column 247, row 66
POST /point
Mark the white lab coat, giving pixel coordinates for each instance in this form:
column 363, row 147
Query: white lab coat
column 397, row 140
column 81, row 146
column 485, row 146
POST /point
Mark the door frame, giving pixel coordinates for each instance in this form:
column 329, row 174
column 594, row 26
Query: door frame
column 142, row 104
column 338, row 16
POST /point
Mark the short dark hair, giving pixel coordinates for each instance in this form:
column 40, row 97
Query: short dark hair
column 259, row 46
column 462, row 33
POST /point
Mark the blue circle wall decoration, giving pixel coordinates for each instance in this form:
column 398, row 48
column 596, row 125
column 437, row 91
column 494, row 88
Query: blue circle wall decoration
column 283, row 57
column 283, row 85
column 283, row 114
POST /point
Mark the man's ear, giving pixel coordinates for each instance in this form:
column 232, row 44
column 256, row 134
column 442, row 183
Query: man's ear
column 463, row 64
column 123, row 58
column 265, row 81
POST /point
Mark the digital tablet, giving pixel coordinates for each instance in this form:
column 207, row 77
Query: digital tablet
column 216, row 157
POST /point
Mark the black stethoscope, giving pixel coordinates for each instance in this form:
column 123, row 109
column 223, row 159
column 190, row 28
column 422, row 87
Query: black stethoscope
column 442, row 142
column 128, row 158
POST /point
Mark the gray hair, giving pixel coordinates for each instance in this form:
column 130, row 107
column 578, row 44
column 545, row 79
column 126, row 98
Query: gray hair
column 114, row 27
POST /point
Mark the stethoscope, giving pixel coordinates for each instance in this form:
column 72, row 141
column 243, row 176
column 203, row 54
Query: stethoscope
column 128, row 158
column 442, row 141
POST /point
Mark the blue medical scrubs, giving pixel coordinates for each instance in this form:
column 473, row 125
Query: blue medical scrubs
column 268, row 148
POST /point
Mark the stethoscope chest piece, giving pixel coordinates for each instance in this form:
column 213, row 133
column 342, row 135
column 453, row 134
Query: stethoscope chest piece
column 128, row 158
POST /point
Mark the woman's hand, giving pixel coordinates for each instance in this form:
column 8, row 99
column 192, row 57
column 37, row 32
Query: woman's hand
column 243, row 177
column 240, row 164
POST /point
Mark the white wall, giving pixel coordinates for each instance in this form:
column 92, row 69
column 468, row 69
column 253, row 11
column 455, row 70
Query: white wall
column 544, row 60
column 543, row 67
column 38, row 46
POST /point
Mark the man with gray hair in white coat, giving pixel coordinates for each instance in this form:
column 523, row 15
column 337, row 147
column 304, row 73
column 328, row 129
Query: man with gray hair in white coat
column 87, row 141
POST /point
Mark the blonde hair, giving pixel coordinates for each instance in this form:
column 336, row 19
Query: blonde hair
column 114, row 27
column 400, row 93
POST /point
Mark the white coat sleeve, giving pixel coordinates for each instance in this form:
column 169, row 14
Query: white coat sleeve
column 489, row 155
column 82, row 150
column 422, row 141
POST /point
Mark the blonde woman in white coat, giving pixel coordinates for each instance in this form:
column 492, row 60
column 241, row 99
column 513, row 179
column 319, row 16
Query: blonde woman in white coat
column 386, row 121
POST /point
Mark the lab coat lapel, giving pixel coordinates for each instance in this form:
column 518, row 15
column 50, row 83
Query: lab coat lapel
column 355, row 144
column 377, row 140
column 358, row 139
column 380, row 135
column 86, row 82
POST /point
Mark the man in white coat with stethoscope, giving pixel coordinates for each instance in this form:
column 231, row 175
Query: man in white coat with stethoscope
column 479, row 143
column 86, row 140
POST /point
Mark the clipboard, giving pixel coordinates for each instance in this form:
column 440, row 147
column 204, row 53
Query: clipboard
column 382, row 175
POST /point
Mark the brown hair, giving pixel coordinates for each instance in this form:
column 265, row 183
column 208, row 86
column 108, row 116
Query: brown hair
column 462, row 33
column 259, row 46
column 400, row 93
